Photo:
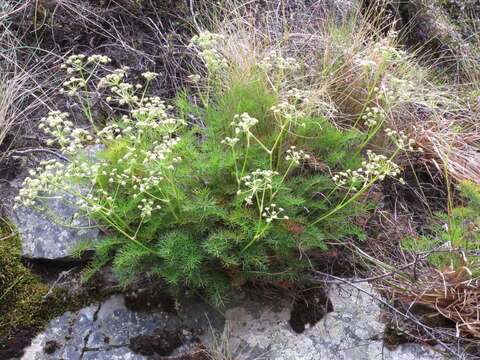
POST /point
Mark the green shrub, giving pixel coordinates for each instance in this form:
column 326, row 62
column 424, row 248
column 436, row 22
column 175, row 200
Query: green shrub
column 236, row 187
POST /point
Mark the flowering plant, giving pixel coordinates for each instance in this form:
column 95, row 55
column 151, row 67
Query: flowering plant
column 243, row 198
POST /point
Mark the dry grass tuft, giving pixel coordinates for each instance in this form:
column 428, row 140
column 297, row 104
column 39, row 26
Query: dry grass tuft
column 331, row 44
column 450, row 292
column 22, row 94
column 9, row 89
column 453, row 153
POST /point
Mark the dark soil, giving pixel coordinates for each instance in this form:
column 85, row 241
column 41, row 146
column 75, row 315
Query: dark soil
column 49, row 270
column 51, row 346
column 150, row 298
column 337, row 261
column 310, row 307
column 161, row 343
column 12, row 347
column 423, row 193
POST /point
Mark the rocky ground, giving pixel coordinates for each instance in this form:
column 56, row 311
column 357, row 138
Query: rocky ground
column 254, row 328
column 101, row 320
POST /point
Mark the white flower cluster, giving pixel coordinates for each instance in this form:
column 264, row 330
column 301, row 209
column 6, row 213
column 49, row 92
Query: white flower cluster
column 377, row 167
column 258, row 181
column 149, row 75
column 373, row 116
column 401, row 140
column 230, row 141
column 153, row 114
column 271, row 213
column 214, row 61
column 295, row 155
column 141, row 164
column 77, row 63
column 101, row 59
column 72, row 85
column 141, row 171
column 205, row 39
column 113, row 79
column 70, row 139
column 206, row 42
column 51, row 176
column 274, row 61
column 287, row 111
column 162, row 153
column 243, row 123
column 38, row 182
column 74, row 63
column 124, row 92
column 147, row 206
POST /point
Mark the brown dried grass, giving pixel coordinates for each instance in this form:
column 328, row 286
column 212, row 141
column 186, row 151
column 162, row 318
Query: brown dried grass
column 450, row 292
column 454, row 153
column 24, row 86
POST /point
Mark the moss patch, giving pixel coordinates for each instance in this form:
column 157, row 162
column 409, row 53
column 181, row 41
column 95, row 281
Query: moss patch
column 21, row 292
column 24, row 307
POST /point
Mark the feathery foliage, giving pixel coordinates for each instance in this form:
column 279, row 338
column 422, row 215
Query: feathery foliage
column 238, row 186
column 455, row 236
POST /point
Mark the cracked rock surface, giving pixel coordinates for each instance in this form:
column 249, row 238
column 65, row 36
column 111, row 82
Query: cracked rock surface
column 255, row 329
column 106, row 331
column 353, row 331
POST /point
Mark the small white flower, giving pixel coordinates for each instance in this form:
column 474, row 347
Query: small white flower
column 149, row 75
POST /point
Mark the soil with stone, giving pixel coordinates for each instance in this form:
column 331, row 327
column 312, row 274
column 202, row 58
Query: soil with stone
column 331, row 322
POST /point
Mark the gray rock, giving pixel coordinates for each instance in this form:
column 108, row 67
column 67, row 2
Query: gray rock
column 104, row 331
column 350, row 332
column 252, row 329
column 43, row 238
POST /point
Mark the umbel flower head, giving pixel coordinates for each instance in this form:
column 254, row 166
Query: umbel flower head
column 377, row 167
column 259, row 180
column 295, row 155
column 272, row 212
column 206, row 42
column 243, row 123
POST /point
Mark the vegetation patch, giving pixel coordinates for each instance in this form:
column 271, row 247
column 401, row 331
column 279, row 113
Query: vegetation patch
column 242, row 195
column 22, row 293
column 450, row 287
column 27, row 303
column 273, row 145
